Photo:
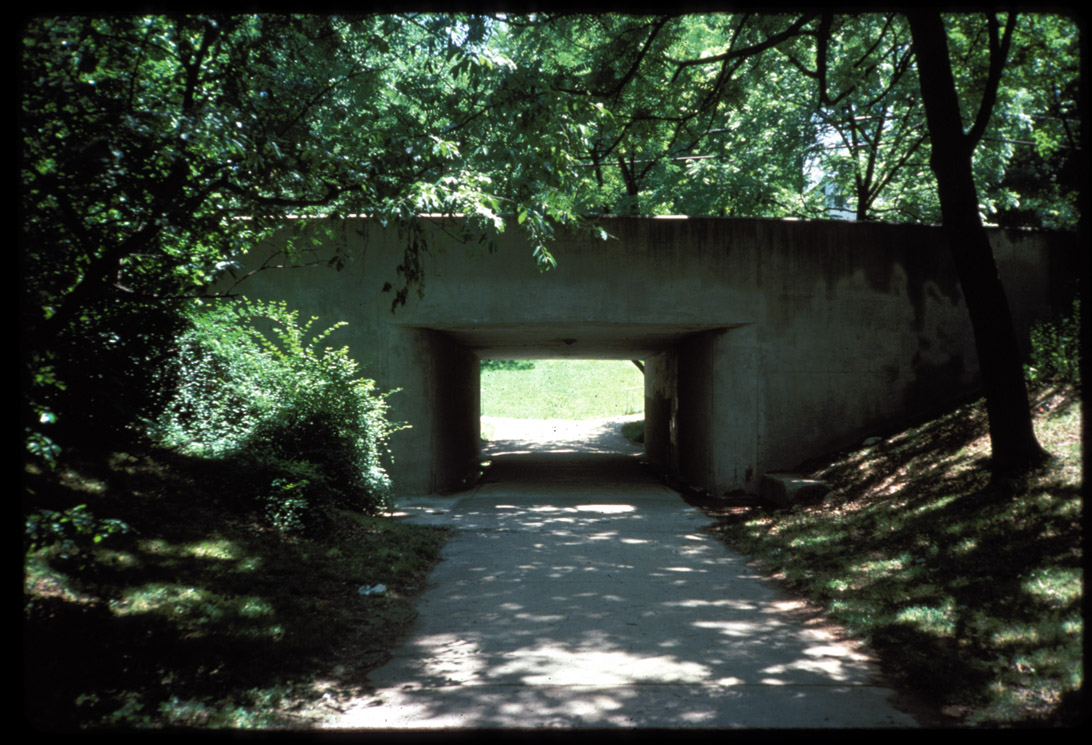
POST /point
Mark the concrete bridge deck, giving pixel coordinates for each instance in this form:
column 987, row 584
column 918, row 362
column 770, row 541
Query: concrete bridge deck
column 577, row 591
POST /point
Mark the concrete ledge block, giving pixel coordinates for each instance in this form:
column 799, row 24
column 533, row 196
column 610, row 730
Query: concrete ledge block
column 786, row 489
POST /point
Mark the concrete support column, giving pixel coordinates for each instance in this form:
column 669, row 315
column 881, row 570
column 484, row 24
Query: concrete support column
column 661, row 410
column 738, row 405
column 455, row 409
column 697, row 410
column 703, row 410
column 440, row 400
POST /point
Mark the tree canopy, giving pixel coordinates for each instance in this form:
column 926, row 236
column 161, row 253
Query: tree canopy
column 155, row 149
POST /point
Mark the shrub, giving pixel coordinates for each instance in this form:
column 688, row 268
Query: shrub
column 71, row 528
column 1056, row 350
column 280, row 399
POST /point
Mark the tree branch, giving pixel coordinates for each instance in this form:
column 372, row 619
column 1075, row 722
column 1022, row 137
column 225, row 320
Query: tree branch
column 822, row 41
column 621, row 84
column 999, row 53
column 773, row 41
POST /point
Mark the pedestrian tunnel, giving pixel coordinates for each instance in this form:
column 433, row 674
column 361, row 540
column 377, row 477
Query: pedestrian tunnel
column 697, row 393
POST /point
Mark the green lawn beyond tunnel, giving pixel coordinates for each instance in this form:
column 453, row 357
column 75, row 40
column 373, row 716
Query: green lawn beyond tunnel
column 561, row 389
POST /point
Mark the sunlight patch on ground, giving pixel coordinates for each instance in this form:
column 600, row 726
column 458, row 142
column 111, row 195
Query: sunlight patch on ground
column 606, row 509
column 213, row 549
column 558, row 665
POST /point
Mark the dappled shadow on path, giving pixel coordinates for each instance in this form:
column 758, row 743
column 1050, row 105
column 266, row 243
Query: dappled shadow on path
column 577, row 591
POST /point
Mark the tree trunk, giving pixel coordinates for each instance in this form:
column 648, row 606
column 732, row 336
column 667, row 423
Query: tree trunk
column 632, row 190
column 1012, row 438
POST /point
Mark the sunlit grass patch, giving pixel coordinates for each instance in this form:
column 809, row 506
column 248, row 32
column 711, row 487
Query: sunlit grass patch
column 563, row 389
column 879, row 568
column 940, row 621
column 1054, row 586
column 214, row 548
column 159, row 597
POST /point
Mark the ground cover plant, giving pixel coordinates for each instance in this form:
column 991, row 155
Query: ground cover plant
column 970, row 593
column 561, row 389
column 197, row 610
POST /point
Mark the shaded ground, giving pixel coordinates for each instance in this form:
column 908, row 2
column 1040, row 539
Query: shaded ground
column 970, row 593
column 577, row 591
column 201, row 614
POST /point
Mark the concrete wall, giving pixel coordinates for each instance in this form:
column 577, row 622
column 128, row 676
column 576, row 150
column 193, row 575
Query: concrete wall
column 661, row 409
column 766, row 342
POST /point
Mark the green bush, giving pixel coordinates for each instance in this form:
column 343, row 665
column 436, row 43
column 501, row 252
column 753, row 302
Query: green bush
column 1056, row 350
column 72, row 528
column 254, row 383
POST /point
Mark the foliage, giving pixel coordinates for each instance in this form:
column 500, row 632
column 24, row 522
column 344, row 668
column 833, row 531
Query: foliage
column 281, row 399
column 634, row 432
column 756, row 115
column 1056, row 350
column 201, row 135
column 971, row 598
column 507, row 365
column 71, row 529
column 1027, row 170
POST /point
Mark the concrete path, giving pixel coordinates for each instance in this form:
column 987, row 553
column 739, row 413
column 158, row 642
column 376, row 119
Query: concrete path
column 579, row 592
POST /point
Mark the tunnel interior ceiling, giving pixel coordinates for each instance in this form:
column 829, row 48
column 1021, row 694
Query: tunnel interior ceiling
column 575, row 341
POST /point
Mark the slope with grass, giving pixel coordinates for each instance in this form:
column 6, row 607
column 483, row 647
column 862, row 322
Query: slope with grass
column 971, row 594
column 196, row 610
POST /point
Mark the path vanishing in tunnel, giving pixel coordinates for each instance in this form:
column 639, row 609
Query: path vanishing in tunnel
column 577, row 591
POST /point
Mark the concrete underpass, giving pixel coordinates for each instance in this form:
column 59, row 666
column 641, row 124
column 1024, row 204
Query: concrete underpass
column 765, row 342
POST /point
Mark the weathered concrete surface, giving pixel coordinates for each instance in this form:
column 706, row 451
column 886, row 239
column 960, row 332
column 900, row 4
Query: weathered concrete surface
column 787, row 489
column 579, row 592
column 766, row 342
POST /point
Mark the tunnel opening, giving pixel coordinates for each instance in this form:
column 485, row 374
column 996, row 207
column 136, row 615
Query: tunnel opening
column 556, row 423
column 552, row 405
column 693, row 386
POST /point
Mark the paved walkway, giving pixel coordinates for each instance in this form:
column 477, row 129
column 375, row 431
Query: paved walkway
column 579, row 592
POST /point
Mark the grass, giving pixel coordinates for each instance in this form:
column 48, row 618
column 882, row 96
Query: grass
column 561, row 389
column 200, row 613
column 634, row 432
column 970, row 595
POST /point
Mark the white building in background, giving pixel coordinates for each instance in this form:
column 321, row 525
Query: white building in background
column 834, row 198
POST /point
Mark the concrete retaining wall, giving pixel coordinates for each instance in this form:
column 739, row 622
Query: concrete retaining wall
column 766, row 342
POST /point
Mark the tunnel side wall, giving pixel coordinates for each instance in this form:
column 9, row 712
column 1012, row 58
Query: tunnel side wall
column 661, row 409
column 455, row 407
column 697, row 412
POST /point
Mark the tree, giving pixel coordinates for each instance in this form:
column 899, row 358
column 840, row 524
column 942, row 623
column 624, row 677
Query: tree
column 1012, row 438
column 154, row 149
column 1029, row 173
column 186, row 125
column 687, row 117
column 871, row 142
column 865, row 66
